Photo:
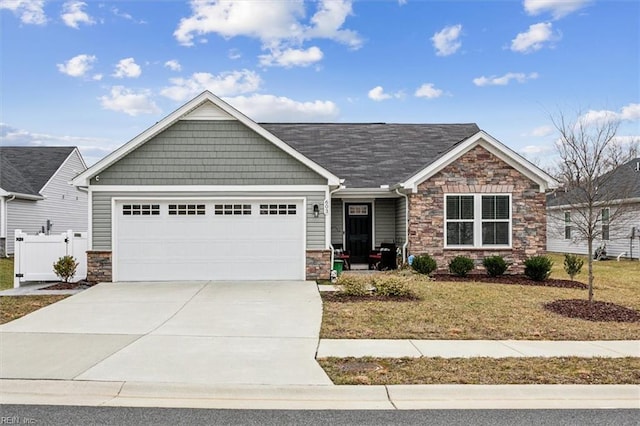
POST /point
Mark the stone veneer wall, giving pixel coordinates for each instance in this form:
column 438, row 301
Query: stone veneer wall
column 478, row 171
column 318, row 264
column 98, row 266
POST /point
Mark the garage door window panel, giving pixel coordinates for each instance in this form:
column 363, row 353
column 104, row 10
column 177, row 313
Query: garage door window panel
column 278, row 209
column 141, row 210
column 187, row 209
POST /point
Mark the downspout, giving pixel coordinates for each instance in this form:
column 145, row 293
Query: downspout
column 330, row 224
column 5, row 218
column 406, row 224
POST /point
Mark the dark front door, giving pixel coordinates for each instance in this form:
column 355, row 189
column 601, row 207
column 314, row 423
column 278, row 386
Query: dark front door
column 358, row 231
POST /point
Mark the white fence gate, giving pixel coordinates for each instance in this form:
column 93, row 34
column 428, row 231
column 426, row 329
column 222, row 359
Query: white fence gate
column 35, row 255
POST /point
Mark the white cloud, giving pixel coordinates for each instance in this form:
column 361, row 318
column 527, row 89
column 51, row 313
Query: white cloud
column 234, row 54
column 557, row 8
column 377, row 94
column 279, row 25
column 542, row 131
column 629, row 112
column 77, row 66
column 92, row 148
column 505, row 79
column 535, row 38
column 73, row 14
column 271, row 108
column 291, row 57
column 128, row 101
column 30, row 11
column 97, row 77
column 446, row 42
column 127, row 68
column 229, row 83
column 126, row 16
column 173, row 65
column 535, row 149
column 428, row 91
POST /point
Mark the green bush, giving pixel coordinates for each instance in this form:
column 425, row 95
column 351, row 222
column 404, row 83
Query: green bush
column 391, row 286
column 424, row 264
column 538, row 268
column 460, row 266
column 572, row 264
column 354, row 285
column 495, row 265
column 65, row 268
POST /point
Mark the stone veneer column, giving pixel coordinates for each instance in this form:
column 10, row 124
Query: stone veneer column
column 99, row 266
column 318, row 264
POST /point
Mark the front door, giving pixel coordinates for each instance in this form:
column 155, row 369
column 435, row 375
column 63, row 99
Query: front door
column 358, row 231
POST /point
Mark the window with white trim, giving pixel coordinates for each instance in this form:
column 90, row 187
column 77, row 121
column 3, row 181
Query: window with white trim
column 186, row 209
column 232, row 209
column 140, row 209
column 605, row 223
column 477, row 220
column 277, row 209
column 567, row 225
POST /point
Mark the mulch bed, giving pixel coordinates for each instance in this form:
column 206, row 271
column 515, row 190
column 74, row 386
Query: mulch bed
column 80, row 285
column 510, row 279
column 594, row 311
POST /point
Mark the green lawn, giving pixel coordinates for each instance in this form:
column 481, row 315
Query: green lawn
column 6, row 273
column 472, row 310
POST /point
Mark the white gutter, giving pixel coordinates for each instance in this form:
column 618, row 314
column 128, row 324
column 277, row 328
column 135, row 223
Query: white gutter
column 406, row 224
column 3, row 225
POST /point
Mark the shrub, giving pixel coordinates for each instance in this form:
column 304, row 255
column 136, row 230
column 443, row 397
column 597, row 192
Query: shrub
column 353, row 285
column 391, row 286
column 572, row 264
column 538, row 268
column 495, row 265
column 424, row 264
column 460, row 266
column 65, row 268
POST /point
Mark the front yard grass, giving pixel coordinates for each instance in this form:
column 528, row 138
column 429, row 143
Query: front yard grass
column 482, row 371
column 14, row 307
column 6, row 273
column 472, row 310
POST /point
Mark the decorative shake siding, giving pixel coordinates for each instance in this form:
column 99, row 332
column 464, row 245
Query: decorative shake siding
column 475, row 172
column 401, row 220
column 385, row 221
column 208, row 153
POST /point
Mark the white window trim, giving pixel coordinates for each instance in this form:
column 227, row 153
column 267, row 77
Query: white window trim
column 477, row 223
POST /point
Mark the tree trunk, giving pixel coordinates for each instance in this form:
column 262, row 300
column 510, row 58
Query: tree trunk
column 590, row 268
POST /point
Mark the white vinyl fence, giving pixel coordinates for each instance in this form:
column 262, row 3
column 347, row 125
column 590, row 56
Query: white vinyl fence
column 35, row 255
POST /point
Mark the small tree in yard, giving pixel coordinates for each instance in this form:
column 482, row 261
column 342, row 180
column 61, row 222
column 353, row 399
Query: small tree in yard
column 589, row 149
column 572, row 264
column 65, row 268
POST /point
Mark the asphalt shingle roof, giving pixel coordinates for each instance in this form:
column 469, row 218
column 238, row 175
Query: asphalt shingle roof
column 625, row 180
column 25, row 170
column 368, row 155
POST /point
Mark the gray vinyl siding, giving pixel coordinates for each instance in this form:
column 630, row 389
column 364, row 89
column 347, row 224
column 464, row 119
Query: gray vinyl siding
column 208, row 153
column 64, row 205
column 385, row 221
column 619, row 231
column 337, row 221
column 102, row 202
column 401, row 220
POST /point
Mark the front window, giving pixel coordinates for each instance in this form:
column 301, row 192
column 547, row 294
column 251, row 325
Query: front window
column 478, row 220
column 605, row 224
column 567, row 225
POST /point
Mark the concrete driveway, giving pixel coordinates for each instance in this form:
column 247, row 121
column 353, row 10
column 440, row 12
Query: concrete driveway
column 186, row 332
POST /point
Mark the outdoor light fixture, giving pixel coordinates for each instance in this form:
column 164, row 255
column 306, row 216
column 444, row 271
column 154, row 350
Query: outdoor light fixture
column 316, row 210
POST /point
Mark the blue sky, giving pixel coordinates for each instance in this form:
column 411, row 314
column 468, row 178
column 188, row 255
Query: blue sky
column 96, row 73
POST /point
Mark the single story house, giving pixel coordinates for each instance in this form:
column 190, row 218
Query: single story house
column 36, row 194
column 618, row 221
column 207, row 193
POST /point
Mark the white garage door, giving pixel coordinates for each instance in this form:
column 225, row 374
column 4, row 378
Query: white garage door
column 163, row 240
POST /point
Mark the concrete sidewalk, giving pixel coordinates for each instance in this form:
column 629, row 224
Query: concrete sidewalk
column 475, row 348
column 180, row 395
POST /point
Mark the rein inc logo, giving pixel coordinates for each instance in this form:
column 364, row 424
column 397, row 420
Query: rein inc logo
column 17, row 420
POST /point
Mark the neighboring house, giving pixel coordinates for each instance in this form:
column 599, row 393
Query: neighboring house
column 206, row 193
column 36, row 192
column 619, row 230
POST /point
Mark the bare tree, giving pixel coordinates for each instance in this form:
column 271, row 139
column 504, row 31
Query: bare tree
column 589, row 152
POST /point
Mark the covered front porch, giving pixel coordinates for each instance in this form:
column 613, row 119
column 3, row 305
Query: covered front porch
column 369, row 231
